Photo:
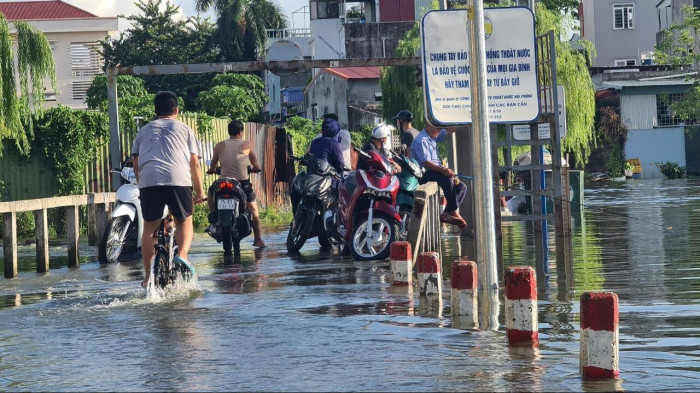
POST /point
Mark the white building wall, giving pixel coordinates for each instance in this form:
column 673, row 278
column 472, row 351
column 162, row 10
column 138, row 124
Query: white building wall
column 638, row 111
column 328, row 39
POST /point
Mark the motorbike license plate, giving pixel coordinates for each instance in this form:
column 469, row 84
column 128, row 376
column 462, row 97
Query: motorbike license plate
column 226, row 204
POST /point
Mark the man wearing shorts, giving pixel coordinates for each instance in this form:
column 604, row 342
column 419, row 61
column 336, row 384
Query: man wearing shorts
column 236, row 155
column 166, row 164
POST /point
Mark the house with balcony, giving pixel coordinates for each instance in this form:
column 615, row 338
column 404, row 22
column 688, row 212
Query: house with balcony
column 622, row 31
column 73, row 34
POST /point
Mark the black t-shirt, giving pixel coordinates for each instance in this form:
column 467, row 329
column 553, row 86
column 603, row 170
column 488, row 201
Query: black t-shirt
column 407, row 138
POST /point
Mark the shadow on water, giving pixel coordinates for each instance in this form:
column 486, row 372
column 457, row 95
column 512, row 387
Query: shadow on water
column 318, row 321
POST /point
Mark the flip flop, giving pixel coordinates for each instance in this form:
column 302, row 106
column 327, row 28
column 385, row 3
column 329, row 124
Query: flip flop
column 260, row 246
column 144, row 284
column 177, row 260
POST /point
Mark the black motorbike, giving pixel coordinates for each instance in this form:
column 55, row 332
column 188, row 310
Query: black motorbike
column 231, row 221
column 311, row 196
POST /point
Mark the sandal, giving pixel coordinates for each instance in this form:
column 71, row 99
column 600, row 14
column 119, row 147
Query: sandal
column 450, row 219
column 180, row 261
column 263, row 245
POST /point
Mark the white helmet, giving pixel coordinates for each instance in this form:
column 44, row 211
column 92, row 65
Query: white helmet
column 381, row 131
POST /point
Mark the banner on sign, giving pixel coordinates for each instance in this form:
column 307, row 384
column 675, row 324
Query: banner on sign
column 511, row 66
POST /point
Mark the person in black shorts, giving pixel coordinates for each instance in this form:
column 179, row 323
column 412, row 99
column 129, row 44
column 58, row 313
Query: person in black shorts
column 166, row 164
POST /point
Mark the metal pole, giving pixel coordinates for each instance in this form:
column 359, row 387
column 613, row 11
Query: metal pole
column 483, row 170
column 115, row 152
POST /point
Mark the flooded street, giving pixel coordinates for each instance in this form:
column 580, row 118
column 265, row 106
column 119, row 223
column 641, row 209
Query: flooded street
column 273, row 322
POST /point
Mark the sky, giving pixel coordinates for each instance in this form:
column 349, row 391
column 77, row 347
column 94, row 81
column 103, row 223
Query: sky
column 127, row 7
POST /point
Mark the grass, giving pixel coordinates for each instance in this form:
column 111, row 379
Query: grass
column 268, row 215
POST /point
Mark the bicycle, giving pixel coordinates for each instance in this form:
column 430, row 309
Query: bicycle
column 165, row 269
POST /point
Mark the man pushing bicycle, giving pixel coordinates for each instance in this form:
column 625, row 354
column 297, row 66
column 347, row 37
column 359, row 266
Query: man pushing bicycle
column 166, row 164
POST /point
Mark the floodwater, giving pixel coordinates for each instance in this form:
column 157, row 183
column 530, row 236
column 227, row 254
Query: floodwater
column 316, row 322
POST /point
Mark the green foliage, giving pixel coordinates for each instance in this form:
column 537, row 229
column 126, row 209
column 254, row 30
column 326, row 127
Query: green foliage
column 616, row 162
column 362, row 136
column 241, row 26
column 200, row 216
column 614, row 133
column 671, row 169
column 34, row 64
column 572, row 74
column 238, row 96
column 276, row 215
column 130, row 91
column 159, row 36
column 302, row 132
column 69, row 139
column 559, row 6
column 679, row 46
column 398, row 84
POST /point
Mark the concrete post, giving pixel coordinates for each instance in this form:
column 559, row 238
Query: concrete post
column 41, row 233
column 101, row 220
column 429, row 274
column 10, row 244
column 521, row 306
column 401, row 263
column 115, row 152
column 73, row 229
column 463, row 279
column 600, row 346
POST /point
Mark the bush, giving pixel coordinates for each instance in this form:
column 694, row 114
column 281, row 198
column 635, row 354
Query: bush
column 200, row 216
column 276, row 215
column 671, row 169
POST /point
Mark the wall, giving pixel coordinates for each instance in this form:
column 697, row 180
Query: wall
column 272, row 88
column 364, row 40
column 692, row 153
column 638, row 111
column 326, row 36
column 362, row 90
column 656, row 145
column 614, row 44
column 330, row 95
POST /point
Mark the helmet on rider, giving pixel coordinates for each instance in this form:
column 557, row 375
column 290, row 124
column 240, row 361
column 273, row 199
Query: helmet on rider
column 381, row 131
column 404, row 115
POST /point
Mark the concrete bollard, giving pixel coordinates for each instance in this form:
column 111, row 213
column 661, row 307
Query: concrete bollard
column 599, row 353
column 464, row 289
column 401, row 263
column 429, row 274
column 521, row 306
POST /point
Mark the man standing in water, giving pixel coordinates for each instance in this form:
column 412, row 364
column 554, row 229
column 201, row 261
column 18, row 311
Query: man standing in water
column 166, row 164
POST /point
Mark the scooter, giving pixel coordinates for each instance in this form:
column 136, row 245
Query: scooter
column 311, row 198
column 231, row 221
column 125, row 227
column 409, row 178
column 365, row 219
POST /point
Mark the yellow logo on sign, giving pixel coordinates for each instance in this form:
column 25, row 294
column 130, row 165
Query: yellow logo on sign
column 488, row 26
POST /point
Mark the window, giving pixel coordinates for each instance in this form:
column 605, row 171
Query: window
column 328, row 9
column 52, row 44
column 625, row 62
column 664, row 114
column 623, row 17
column 84, row 59
column 49, row 96
column 79, row 90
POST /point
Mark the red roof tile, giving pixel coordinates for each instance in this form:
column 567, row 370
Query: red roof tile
column 42, row 10
column 356, row 72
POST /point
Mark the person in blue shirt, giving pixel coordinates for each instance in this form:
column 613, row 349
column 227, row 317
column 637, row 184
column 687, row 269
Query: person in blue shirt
column 327, row 147
column 424, row 150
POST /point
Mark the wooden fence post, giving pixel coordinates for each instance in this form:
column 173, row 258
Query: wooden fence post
column 10, row 244
column 73, row 229
column 41, row 232
column 92, row 234
column 101, row 219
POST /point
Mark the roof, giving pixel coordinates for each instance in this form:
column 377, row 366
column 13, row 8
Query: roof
column 355, row 72
column 648, row 83
column 42, row 10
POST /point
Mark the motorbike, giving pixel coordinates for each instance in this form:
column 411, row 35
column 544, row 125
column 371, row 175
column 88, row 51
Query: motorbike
column 409, row 177
column 312, row 197
column 365, row 219
column 230, row 222
column 125, row 227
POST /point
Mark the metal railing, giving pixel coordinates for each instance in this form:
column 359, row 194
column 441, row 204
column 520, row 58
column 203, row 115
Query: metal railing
column 97, row 222
column 424, row 227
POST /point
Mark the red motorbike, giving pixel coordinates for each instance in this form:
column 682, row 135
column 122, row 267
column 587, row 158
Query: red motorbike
column 365, row 219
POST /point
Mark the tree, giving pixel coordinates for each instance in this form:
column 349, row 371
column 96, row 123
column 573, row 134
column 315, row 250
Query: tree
column 157, row 37
column 238, row 96
column 565, row 6
column 35, row 64
column 130, row 90
column 241, row 26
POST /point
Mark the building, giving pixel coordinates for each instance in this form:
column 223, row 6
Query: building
column 670, row 12
column 353, row 93
column 623, row 32
column 655, row 133
column 73, row 34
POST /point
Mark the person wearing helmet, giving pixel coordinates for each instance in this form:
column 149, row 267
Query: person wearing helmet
column 404, row 121
column 327, row 147
column 377, row 144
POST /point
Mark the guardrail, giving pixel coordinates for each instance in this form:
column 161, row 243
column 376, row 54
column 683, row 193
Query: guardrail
column 424, row 227
column 97, row 222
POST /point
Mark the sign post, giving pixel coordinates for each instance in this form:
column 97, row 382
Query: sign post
column 492, row 78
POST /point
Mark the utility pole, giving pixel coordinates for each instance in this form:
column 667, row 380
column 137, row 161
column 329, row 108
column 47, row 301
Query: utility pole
column 487, row 257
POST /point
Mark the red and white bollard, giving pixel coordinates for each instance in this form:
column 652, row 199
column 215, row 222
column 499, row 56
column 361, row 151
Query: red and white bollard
column 521, row 306
column 429, row 274
column 401, row 263
column 600, row 320
column 463, row 278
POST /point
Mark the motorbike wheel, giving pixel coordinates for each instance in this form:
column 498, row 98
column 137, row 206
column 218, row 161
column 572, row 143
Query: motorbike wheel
column 324, row 241
column 299, row 230
column 161, row 270
column 384, row 232
column 226, row 239
column 114, row 239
